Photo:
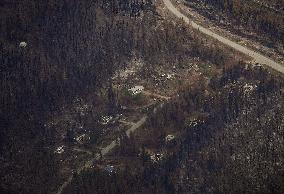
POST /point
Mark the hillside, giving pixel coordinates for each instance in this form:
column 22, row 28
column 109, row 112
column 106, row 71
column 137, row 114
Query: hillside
column 119, row 96
column 258, row 20
column 228, row 138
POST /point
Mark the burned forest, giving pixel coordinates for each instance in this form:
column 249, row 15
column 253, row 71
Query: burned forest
column 141, row 96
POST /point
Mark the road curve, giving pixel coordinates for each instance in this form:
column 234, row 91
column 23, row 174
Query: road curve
column 259, row 58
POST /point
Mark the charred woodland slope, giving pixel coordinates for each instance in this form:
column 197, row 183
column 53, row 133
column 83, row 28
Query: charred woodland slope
column 69, row 49
column 261, row 17
column 230, row 140
column 54, row 52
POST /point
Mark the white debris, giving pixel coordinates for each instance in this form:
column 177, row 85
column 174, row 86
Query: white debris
column 155, row 158
column 109, row 169
column 169, row 138
column 195, row 67
column 23, row 44
column 248, row 88
column 82, row 138
column 193, row 123
column 82, row 109
column 106, row 120
column 170, row 76
column 257, row 65
column 59, row 150
column 131, row 69
column 136, row 90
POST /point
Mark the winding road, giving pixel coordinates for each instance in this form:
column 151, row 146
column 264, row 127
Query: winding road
column 259, row 58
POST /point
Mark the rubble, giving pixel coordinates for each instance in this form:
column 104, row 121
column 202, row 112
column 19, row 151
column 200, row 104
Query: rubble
column 106, row 120
column 169, row 138
column 23, row 45
column 168, row 75
column 109, row 169
column 193, row 123
column 59, row 150
column 82, row 139
column 248, row 88
column 136, row 90
column 131, row 69
column 155, row 158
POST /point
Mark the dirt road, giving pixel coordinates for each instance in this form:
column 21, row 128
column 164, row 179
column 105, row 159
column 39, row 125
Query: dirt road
column 104, row 151
column 259, row 58
column 148, row 93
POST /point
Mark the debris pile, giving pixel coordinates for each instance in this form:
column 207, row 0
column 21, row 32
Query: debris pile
column 155, row 158
column 106, row 120
column 82, row 139
column 109, row 169
column 59, row 150
column 248, row 88
column 169, row 138
column 136, row 90
column 23, row 45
